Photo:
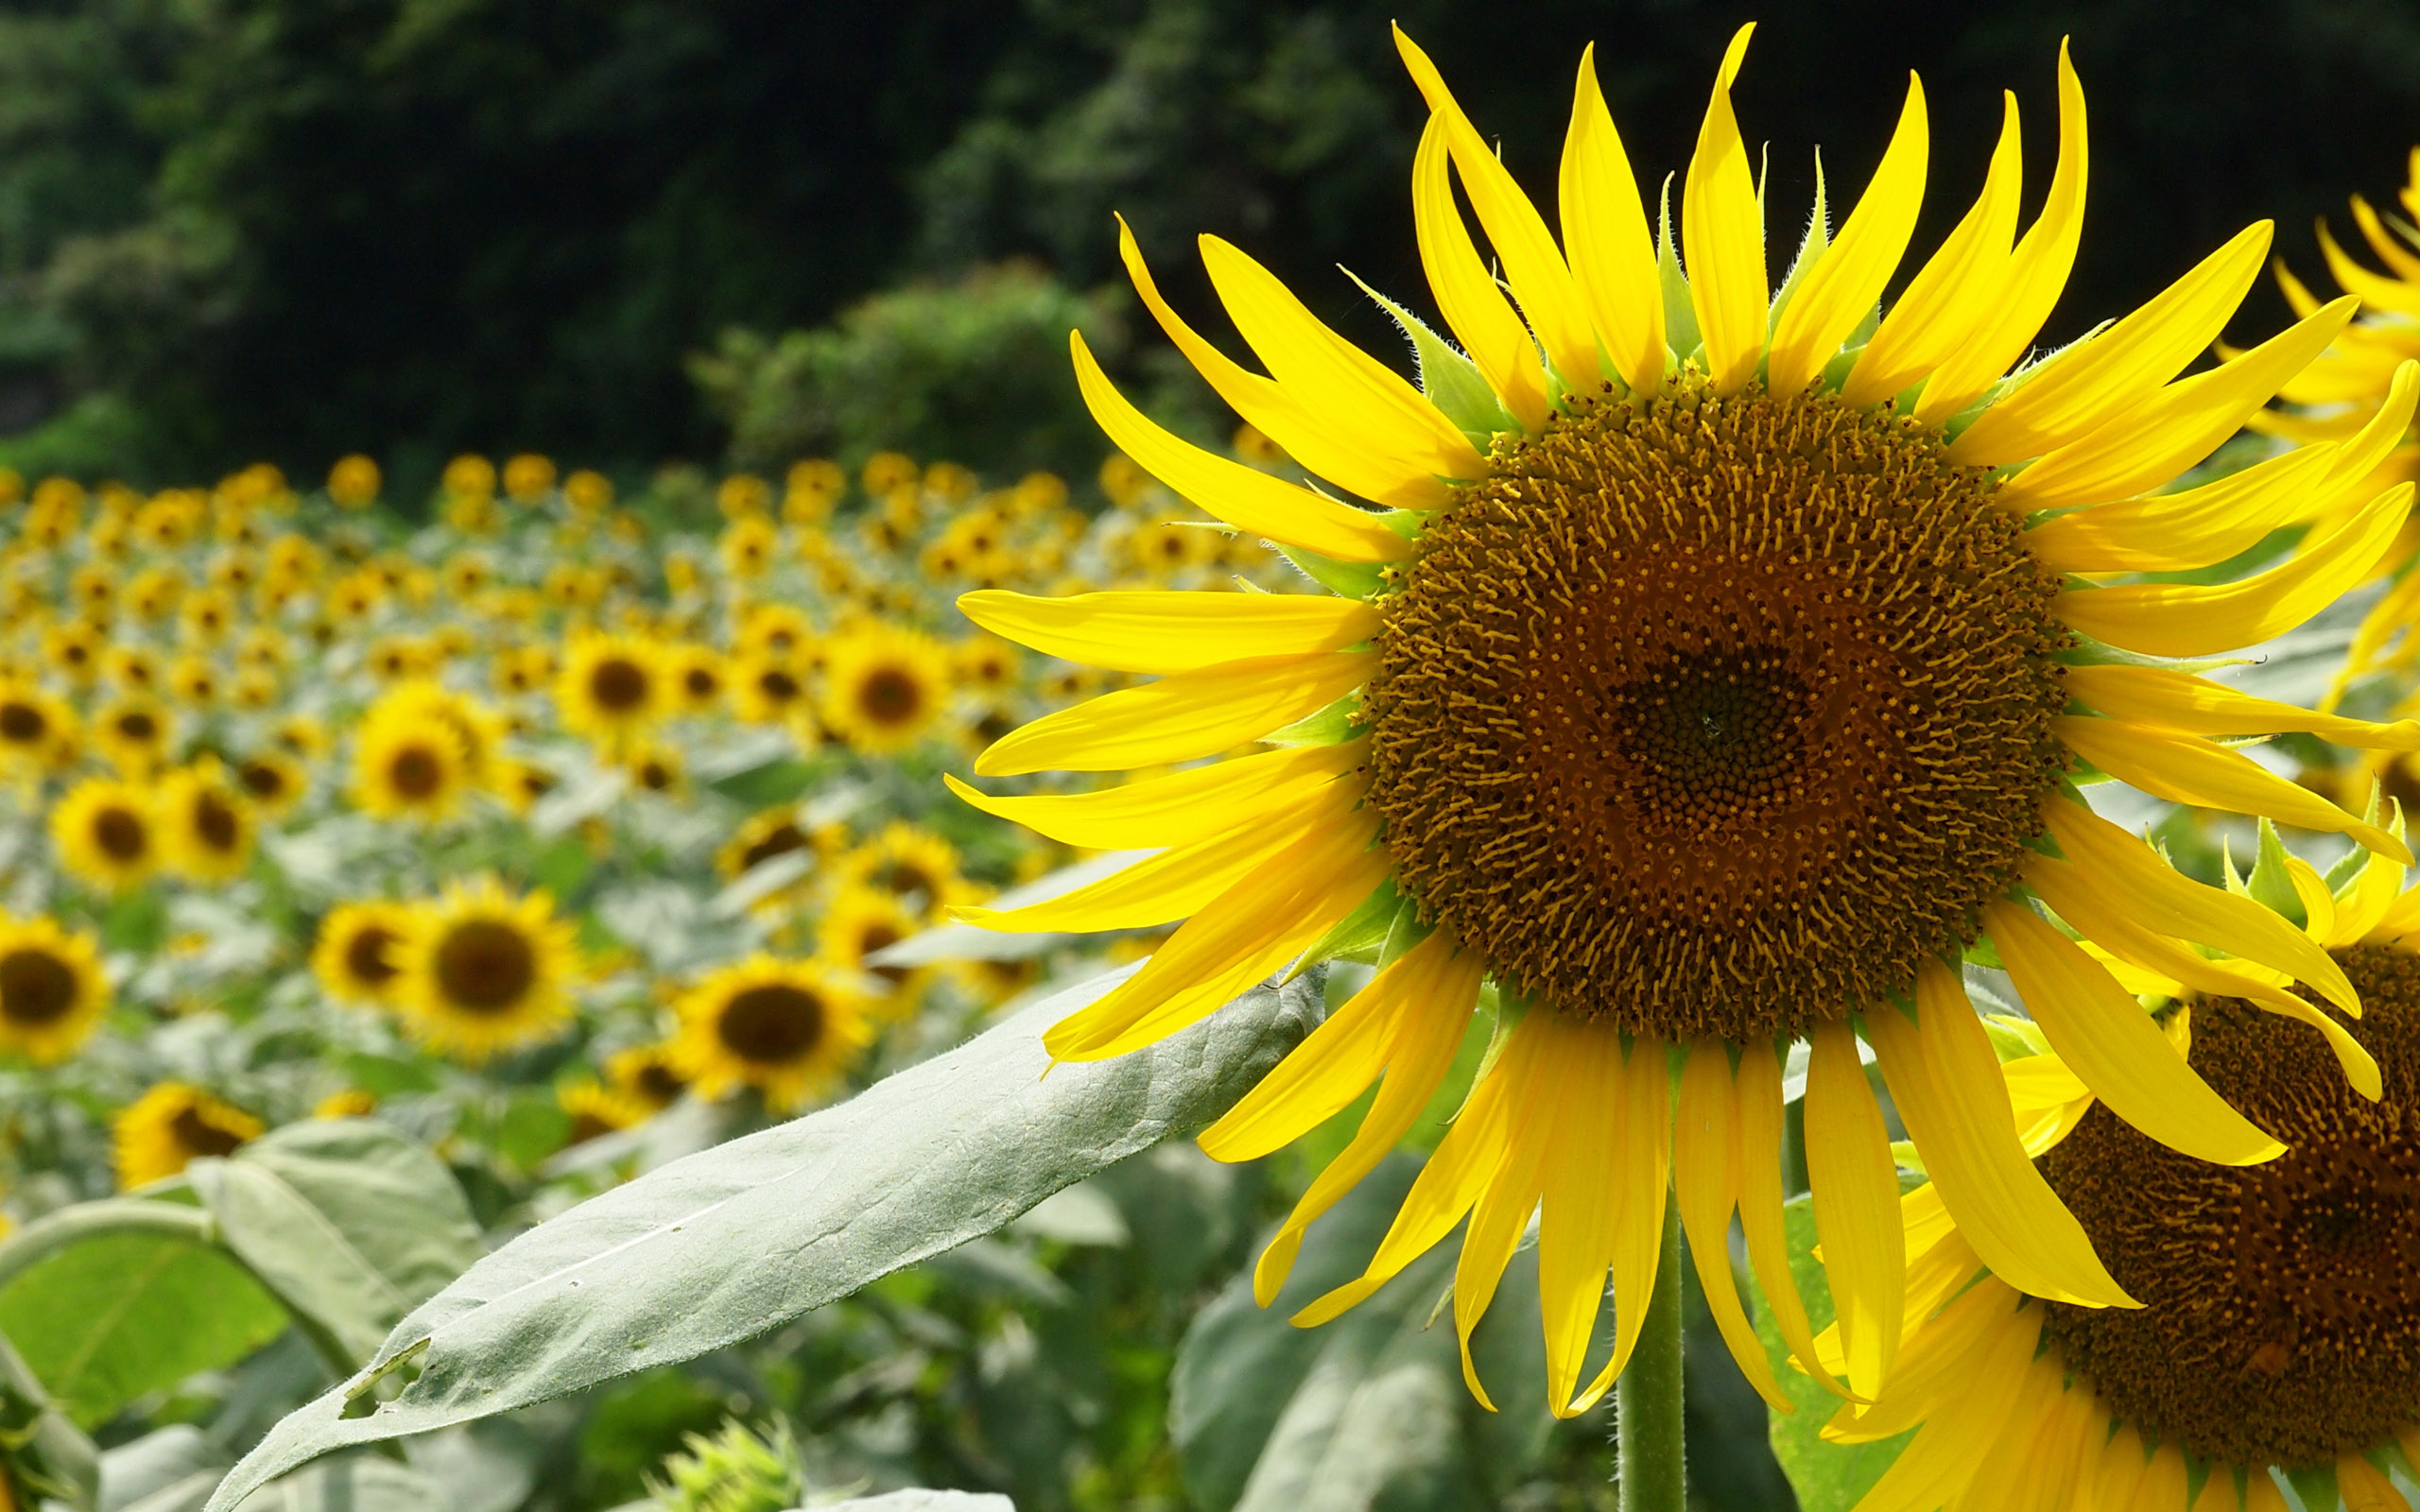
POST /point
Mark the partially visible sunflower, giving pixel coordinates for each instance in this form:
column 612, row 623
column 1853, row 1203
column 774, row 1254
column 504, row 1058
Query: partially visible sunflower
column 32, row 722
column 862, row 921
column 649, row 1074
column 1715, row 667
column 597, row 1109
column 353, row 956
column 2280, row 1325
column 206, row 825
column 699, row 678
column 170, row 1127
column 776, row 831
column 884, row 687
column 105, row 834
column 483, row 972
column 273, row 780
column 613, row 688
column 134, row 732
column 914, row 865
column 53, row 992
column 655, row 767
column 767, row 689
column 787, row 1028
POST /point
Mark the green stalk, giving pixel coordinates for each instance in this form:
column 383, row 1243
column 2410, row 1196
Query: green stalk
column 1651, row 1456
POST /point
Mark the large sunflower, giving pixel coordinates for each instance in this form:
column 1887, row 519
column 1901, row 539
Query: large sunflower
column 171, row 1125
column 2281, row 1322
column 1712, row 671
column 787, row 1028
column 106, row 835
column 482, row 972
column 52, row 990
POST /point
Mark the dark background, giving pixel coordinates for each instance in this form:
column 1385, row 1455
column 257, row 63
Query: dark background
column 289, row 229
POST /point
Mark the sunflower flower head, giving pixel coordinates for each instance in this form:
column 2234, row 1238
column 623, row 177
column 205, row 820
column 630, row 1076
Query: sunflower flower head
column 1708, row 664
column 481, row 971
column 2279, row 1330
column 790, row 1029
column 53, row 993
column 171, row 1125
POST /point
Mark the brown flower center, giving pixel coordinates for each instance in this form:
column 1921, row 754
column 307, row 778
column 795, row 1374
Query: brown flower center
column 2281, row 1316
column 215, row 821
column 21, row 723
column 365, row 956
column 416, row 773
column 618, row 684
column 198, row 1137
column 772, row 1025
column 890, row 696
column 36, row 988
column 121, row 835
column 1719, row 716
column 485, row 966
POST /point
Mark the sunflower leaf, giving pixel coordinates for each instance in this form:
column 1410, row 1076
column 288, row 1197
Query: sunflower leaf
column 1827, row 1477
column 742, row 1238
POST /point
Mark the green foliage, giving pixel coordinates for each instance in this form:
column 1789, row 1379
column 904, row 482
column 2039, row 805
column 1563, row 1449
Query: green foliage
column 1370, row 1410
column 733, row 1470
column 974, row 368
column 1827, row 1477
column 727, row 1244
column 121, row 1314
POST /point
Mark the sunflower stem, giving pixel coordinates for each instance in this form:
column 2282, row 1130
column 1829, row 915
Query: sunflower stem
column 1650, row 1448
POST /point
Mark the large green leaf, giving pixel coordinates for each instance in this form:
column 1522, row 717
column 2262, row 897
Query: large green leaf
column 733, row 1241
column 350, row 1222
column 1827, row 1477
column 358, row 1483
column 115, row 1305
column 1368, row 1411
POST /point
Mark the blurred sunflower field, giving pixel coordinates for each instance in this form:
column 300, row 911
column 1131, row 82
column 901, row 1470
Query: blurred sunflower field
column 375, row 889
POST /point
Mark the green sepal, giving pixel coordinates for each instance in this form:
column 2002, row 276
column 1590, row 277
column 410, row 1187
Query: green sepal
column 1452, row 382
column 1352, row 579
column 2347, row 870
column 1359, row 934
column 1819, row 238
column 1332, row 726
column 2315, row 1485
column 1510, row 1011
column 2008, row 1041
column 2270, row 884
column 1404, row 935
column 1983, row 954
column 1680, row 317
column 2088, row 652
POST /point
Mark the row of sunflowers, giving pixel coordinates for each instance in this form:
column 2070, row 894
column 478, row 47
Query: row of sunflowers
column 515, row 825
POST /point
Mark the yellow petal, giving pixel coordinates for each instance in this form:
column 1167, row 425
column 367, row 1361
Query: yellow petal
column 2160, row 898
column 1942, row 1459
column 2083, row 386
column 2105, row 1037
column 1940, row 1353
column 1141, row 630
column 1606, row 234
column 1291, row 421
column 1475, row 308
column 2188, row 620
column 1760, row 1207
column 1640, row 1176
column 1841, row 289
column 1951, row 293
column 1230, row 945
column 2118, row 1478
column 1183, row 806
column 1433, row 988
column 1357, row 397
column 2036, row 273
column 1947, row 1085
column 2169, row 699
column 2180, row 532
column 1722, row 234
column 1162, row 888
column 1705, row 1182
column 1466, row 1161
column 1180, row 719
column 1243, row 497
column 2362, row 1486
column 1856, row 1187
column 1319, row 1079
column 2176, row 427
column 2190, row 771
column 1565, row 1153
column 2384, row 293
column 1533, row 265
column 2077, row 897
